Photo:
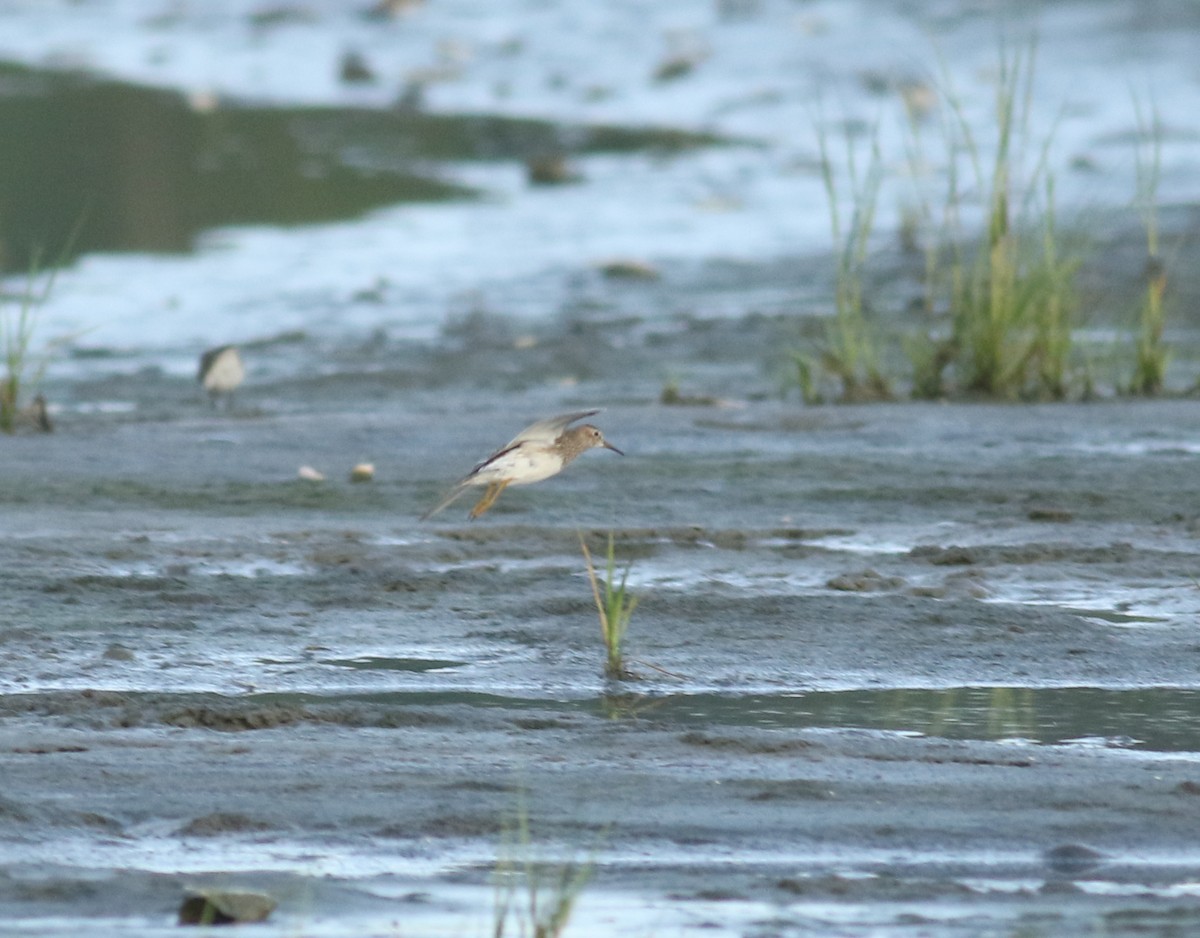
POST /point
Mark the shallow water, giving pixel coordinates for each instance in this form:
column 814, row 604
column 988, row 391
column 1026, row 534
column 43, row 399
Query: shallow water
column 501, row 82
column 1149, row 719
column 160, row 170
column 360, row 699
column 916, row 669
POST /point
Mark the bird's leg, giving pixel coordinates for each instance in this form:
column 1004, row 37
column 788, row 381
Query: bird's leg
column 489, row 497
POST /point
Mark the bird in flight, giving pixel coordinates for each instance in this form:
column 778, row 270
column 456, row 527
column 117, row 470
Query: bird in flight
column 541, row 450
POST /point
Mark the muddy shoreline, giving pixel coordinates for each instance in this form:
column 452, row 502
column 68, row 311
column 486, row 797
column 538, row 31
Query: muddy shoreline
column 925, row 668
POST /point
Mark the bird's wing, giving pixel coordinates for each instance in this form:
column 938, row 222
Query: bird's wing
column 544, row 431
column 208, row 359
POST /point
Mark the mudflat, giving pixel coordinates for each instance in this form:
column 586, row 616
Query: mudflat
column 914, row 669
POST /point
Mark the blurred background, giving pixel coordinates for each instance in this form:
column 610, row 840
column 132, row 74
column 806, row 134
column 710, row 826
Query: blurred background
column 436, row 177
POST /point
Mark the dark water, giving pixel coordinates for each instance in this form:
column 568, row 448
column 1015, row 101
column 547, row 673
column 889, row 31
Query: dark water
column 1161, row 719
column 90, row 165
column 1152, row 719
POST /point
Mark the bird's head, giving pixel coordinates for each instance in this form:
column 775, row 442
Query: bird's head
column 588, row 437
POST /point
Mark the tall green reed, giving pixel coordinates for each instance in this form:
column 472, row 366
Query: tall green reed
column 18, row 323
column 1011, row 289
column 533, row 897
column 614, row 605
column 1150, row 351
column 850, row 351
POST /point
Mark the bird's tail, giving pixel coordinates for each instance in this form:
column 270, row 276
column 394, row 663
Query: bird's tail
column 450, row 496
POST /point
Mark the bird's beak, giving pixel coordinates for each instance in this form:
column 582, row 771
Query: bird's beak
column 608, row 445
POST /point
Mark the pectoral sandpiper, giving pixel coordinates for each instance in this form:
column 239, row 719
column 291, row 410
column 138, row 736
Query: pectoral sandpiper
column 539, row 451
column 221, row 370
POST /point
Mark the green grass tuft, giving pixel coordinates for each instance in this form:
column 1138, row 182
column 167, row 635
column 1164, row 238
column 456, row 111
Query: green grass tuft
column 18, row 322
column 850, row 351
column 1010, row 289
column 1000, row 277
column 615, row 606
column 550, row 891
column 1150, row 352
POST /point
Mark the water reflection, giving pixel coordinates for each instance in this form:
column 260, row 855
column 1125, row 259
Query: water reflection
column 139, row 169
column 1159, row 719
column 1165, row 719
column 375, row 663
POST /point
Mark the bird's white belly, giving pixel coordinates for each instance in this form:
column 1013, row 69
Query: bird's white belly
column 521, row 466
column 225, row 374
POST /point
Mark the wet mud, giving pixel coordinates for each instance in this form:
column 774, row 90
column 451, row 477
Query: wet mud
column 912, row 668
